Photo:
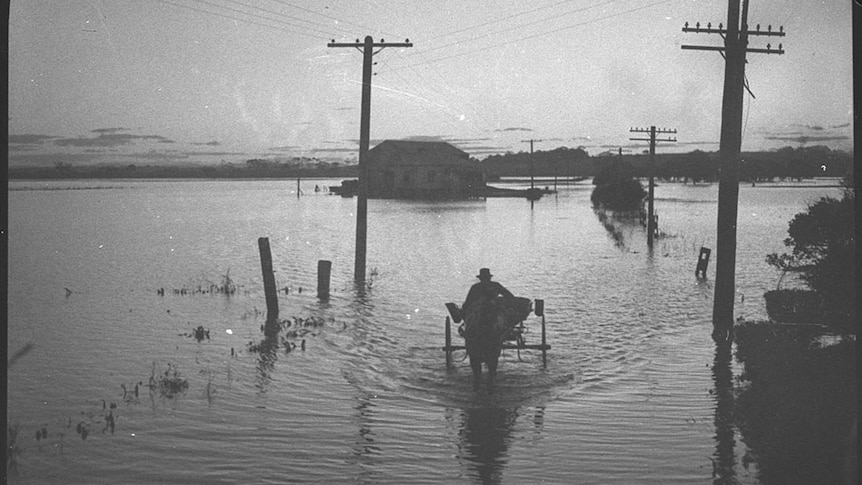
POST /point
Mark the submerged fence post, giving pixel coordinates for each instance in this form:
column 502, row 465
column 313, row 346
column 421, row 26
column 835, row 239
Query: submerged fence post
column 268, row 279
column 540, row 311
column 323, row 270
column 448, row 347
column 702, row 262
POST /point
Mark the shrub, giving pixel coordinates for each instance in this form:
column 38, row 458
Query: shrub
column 794, row 306
column 619, row 195
column 823, row 245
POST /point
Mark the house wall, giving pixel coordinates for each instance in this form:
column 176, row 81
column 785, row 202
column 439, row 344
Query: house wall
column 409, row 181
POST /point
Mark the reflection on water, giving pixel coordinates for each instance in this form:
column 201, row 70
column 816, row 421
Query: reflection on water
column 796, row 411
column 724, row 458
column 621, row 227
column 267, row 351
column 365, row 444
column 485, row 434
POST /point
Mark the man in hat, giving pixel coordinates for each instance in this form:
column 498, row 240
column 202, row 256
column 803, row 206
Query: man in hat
column 485, row 325
column 485, row 290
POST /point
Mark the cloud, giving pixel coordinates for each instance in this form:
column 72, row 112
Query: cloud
column 467, row 140
column 333, row 150
column 159, row 155
column 209, row 143
column 807, row 138
column 213, row 154
column 108, row 140
column 109, row 130
column 461, row 142
column 696, row 143
column 845, row 125
column 29, row 139
column 513, row 129
column 424, row 138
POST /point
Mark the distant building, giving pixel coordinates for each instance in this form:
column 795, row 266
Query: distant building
column 400, row 169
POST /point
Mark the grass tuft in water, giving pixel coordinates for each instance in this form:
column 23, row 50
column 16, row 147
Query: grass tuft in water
column 169, row 384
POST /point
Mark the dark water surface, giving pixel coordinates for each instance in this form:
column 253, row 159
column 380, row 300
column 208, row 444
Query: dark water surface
column 628, row 395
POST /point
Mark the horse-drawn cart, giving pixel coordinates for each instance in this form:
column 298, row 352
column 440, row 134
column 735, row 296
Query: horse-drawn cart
column 514, row 340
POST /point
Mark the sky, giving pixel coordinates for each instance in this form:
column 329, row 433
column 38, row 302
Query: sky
column 222, row 81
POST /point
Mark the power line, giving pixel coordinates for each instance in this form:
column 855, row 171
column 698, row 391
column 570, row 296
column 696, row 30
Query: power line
column 490, row 22
column 589, row 22
column 466, row 102
column 363, row 27
column 259, row 16
column 747, row 107
column 446, row 108
column 439, row 106
column 519, row 26
column 319, row 24
column 209, row 12
column 520, row 39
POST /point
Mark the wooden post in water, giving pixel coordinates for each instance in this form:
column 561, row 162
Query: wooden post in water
column 556, row 169
column 448, row 343
column 702, row 263
column 323, row 270
column 540, row 311
column 268, row 280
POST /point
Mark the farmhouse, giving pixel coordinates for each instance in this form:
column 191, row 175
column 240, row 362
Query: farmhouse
column 421, row 169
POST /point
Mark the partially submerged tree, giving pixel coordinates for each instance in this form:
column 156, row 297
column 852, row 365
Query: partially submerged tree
column 621, row 195
column 617, row 189
column 823, row 245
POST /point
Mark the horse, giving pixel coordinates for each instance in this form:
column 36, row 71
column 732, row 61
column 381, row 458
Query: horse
column 487, row 323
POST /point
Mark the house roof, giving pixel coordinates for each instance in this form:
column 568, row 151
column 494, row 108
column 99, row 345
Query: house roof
column 408, row 152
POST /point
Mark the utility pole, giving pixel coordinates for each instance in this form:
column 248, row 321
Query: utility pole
column 734, row 50
column 367, row 49
column 652, row 140
column 531, row 159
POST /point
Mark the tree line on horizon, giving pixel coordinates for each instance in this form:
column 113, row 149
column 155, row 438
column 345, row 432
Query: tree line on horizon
column 696, row 166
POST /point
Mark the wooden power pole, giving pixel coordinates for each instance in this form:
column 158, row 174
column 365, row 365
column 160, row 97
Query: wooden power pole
column 651, row 229
column 531, row 159
column 367, row 49
column 735, row 47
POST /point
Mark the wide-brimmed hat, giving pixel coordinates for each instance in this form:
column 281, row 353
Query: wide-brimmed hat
column 484, row 273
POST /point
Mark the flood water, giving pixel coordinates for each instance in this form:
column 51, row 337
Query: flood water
column 628, row 395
